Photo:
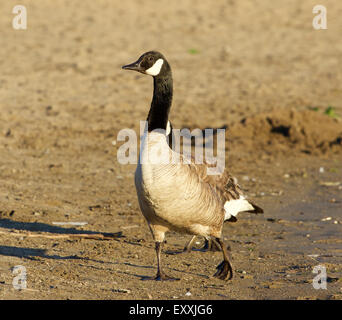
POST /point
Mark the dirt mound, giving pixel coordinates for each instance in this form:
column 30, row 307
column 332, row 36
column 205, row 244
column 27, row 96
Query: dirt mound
column 280, row 131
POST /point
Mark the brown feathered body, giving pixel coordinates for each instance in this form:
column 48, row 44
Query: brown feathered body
column 181, row 196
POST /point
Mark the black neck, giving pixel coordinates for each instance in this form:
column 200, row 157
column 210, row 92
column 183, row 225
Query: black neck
column 161, row 102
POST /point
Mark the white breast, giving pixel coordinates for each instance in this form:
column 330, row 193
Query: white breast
column 154, row 149
column 154, row 161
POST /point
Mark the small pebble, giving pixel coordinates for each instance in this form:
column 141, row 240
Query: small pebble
column 286, row 176
column 330, row 183
column 188, row 294
column 321, row 170
column 122, row 290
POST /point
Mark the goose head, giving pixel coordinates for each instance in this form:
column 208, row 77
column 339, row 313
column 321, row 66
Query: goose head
column 151, row 63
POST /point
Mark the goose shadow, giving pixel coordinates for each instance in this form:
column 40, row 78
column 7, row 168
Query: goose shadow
column 44, row 227
column 31, row 253
column 145, row 277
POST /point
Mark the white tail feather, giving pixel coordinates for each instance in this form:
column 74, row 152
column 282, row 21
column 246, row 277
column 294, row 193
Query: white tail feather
column 233, row 207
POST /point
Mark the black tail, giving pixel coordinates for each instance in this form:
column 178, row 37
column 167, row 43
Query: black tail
column 256, row 208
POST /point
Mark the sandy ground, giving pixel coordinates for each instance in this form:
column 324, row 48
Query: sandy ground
column 260, row 69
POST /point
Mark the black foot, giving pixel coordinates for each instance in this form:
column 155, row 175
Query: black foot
column 164, row 277
column 159, row 277
column 224, row 271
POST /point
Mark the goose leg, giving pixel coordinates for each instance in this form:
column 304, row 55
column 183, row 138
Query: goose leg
column 211, row 245
column 160, row 273
column 224, row 269
column 189, row 245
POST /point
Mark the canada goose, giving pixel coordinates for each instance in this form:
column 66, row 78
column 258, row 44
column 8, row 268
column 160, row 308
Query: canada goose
column 180, row 196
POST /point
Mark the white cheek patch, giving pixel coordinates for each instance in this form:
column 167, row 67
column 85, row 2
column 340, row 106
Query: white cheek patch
column 155, row 69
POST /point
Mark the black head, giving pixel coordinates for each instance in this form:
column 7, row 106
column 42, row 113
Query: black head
column 152, row 63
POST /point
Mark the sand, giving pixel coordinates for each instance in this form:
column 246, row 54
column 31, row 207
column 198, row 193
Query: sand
column 260, row 70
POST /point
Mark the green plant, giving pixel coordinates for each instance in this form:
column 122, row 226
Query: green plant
column 193, row 51
column 330, row 111
column 313, row 108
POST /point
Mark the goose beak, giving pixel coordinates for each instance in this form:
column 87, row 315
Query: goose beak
column 135, row 66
